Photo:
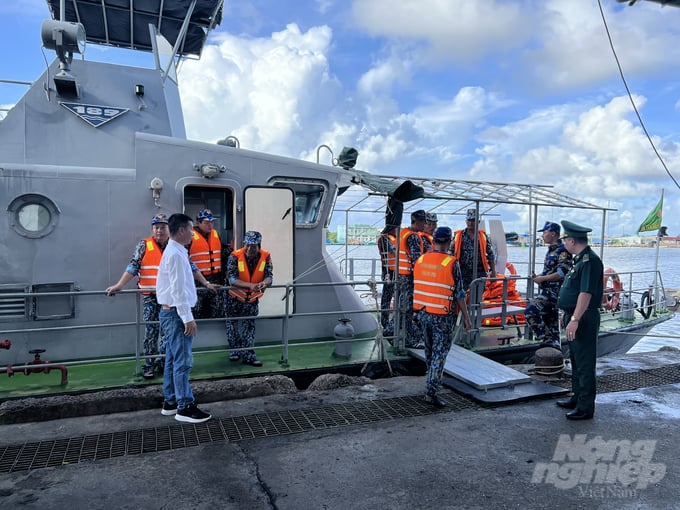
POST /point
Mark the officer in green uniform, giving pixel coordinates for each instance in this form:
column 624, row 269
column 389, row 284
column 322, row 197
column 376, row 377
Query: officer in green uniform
column 580, row 298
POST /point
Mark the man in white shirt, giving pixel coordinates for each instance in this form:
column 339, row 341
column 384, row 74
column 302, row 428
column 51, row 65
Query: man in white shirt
column 176, row 293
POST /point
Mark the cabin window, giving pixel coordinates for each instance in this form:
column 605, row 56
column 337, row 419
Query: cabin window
column 308, row 200
column 33, row 215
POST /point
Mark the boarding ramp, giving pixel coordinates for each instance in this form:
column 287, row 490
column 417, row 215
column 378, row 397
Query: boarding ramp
column 475, row 370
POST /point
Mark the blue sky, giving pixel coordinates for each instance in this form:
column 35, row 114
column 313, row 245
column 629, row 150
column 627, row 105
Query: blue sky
column 523, row 91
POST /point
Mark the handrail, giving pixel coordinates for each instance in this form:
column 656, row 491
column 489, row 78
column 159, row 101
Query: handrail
column 139, row 322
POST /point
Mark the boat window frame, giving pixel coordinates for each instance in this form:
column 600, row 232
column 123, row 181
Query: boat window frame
column 43, row 202
column 292, row 183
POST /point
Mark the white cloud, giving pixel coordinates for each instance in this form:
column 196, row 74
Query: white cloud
column 464, row 31
column 270, row 93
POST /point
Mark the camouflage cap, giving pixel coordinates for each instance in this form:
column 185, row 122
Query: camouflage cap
column 471, row 214
column 159, row 218
column 252, row 237
column 431, row 217
column 551, row 227
column 419, row 215
column 442, row 235
column 205, row 214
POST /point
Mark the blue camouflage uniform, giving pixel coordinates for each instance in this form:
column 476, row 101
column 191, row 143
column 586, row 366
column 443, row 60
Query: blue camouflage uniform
column 437, row 328
column 542, row 314
column 386, row 246
column 405, row 283
column 152, row 329
column 241, row 333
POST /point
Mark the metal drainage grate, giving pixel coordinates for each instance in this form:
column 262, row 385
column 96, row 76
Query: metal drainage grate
column 134, row 442
column 626, row 381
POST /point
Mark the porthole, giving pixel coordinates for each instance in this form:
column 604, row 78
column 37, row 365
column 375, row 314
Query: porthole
column 33, row 215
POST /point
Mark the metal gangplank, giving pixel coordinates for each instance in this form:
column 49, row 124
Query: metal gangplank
column 475, row 370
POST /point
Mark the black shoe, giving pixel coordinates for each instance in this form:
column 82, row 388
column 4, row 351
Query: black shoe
column 435, row 401
column 566, row 404
column 147, row 372
column 169, row 409
column 579, row 415
column 234, row 357
column 253, row 362
column 192, row 414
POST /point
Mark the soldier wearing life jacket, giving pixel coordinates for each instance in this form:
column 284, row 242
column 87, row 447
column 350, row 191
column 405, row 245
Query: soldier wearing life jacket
column 466, row 252
column 249, row 273
column 411, row 246
column 387, row 247
column 144, row 264
column 206, row 253
column 430, row 226
column 438, row 298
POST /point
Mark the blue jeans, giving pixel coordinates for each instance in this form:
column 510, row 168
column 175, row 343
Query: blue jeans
column 178, row 360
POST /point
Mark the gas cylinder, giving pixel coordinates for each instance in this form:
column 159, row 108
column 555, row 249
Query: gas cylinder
column 343, row 331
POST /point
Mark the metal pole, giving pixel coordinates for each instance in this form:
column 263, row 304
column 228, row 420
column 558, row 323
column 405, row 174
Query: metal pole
column 656, row 262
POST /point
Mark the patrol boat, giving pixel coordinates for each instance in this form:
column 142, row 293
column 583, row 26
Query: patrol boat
column 94, row 150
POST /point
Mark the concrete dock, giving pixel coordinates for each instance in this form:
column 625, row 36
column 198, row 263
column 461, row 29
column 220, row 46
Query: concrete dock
column 525, row 455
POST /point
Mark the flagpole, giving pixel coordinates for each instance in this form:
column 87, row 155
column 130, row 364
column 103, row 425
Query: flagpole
column 656, row 263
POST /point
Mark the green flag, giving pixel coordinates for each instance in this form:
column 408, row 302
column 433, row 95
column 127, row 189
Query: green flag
column 653, row 220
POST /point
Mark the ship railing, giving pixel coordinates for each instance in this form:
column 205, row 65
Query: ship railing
column 139, row 324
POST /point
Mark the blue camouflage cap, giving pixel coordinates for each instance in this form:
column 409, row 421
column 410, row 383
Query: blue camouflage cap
column 552, row 227
column 252, row 237
column 205, row 214
column 431, row 217
column 442, row 235
column 159, row 218
column 419, row 215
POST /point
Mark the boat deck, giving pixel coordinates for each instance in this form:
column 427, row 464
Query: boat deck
column 207, row 365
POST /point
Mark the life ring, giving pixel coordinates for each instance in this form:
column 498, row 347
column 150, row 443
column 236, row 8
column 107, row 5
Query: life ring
column 511, row 269
column 612, row 294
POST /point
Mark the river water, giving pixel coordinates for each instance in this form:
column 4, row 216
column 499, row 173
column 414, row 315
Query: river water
column 640, row 261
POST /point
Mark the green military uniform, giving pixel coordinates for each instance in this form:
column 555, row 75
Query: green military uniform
column 586, row 275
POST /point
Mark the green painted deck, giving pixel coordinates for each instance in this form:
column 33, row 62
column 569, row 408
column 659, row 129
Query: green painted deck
column 207, row 365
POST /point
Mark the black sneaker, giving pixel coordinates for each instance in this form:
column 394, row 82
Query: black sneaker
column 192, row 414
column 147, row 372
column 168, row 409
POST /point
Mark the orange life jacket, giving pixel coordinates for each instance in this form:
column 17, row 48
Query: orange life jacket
column 458, row 246
column 389, row 258
column 433, row 283
column 243, row 295
column 493, row 296
column 404, row 253
column 206, row 253
column 429, row 238
column 148, row 269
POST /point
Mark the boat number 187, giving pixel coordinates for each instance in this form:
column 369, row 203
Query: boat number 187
column 96, row 110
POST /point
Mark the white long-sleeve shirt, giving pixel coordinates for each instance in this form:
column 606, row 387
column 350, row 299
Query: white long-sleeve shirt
column 175, row 283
